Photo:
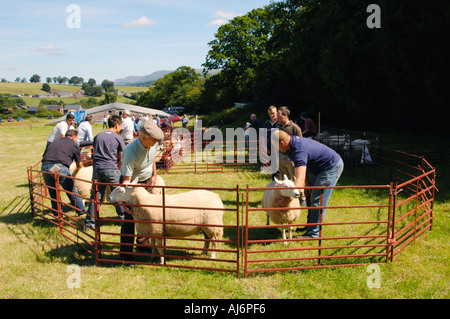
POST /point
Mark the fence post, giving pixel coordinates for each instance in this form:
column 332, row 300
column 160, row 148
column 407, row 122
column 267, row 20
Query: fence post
column 320, row 226
column 30, row 188
column 164, row 223
column 415, row 217
column 58, row 201
column 433, row 194
column 97, row 224
column 238, row 239
column 394, row 203
column 246, row 232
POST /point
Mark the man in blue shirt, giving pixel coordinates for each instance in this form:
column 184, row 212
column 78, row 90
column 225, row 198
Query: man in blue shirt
column 107, row 162
column 323, row 164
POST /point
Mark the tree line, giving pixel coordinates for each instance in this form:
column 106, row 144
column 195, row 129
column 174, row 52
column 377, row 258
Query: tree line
column 321, row 56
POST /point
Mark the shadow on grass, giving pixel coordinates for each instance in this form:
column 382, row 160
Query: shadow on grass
column 30, row 231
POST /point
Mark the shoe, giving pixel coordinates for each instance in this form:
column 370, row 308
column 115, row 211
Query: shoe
column 126, row 258
column 88, row 226
column 81, row 213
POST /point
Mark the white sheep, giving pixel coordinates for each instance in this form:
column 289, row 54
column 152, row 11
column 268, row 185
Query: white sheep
column 204, row 219
column 280, row 198
column 83, row 181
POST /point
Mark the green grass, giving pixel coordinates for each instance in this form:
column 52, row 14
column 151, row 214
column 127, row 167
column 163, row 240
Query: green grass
column 34, row 257
column 35, row 88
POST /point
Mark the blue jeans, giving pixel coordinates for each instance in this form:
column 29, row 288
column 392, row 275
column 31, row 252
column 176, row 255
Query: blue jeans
column 109, row 175
column 66, row 184
column 330, row 178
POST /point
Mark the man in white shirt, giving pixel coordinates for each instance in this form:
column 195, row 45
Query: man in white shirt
column 61, row 128
column 85, row 130
column 127, row 127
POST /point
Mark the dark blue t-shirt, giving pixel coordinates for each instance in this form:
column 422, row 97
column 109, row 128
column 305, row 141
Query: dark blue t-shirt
column 107, row 144
column 63, row 150
column 316, row 156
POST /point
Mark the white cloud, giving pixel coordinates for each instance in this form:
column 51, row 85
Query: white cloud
column 48, row 49
column 222, row 17
column 139, row 23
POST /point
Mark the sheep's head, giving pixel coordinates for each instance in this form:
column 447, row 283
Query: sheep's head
column 122, row 194
column 283, row 184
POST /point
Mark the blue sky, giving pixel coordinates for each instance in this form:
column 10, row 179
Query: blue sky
column 115, row 39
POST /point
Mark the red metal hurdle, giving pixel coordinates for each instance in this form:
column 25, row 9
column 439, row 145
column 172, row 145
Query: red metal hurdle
column 351, row 235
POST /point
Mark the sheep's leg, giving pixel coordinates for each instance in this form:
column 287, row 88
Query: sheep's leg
column 206, row 245
column 283, row 232
column 214, row 236
column 290, row 232
column 268, row 219
column 160, row 250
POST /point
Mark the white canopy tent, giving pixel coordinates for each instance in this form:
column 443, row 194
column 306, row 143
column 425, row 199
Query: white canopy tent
column 117, row 107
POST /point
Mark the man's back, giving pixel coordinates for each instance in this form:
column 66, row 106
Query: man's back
column 107, row 145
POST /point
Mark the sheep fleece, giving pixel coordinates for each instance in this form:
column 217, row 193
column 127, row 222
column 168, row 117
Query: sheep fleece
column 198, row 198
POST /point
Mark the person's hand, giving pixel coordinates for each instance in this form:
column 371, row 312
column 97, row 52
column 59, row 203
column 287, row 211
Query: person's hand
column 151, row 182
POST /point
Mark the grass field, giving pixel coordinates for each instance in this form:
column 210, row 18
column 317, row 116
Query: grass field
column 34, row 257
column 35, row 88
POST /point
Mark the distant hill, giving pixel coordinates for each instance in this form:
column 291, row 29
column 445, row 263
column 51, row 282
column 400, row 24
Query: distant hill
column 141, row 80
column 147, row 80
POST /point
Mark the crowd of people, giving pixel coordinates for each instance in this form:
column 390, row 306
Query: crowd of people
column 127, row 149
column 124, row 152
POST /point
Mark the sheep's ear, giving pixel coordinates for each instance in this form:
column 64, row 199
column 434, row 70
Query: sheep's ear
column 277, row 180
column 286, row 178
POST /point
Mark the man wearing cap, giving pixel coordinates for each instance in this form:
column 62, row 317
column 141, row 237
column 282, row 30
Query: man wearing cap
column 127, row 127
column 139, row 162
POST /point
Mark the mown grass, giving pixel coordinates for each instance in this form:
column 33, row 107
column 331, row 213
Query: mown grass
column 34, row 257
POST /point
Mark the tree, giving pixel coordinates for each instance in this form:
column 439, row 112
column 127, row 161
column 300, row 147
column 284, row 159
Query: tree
column 76, row 80
column 92, row 90
column 46, row 87
column 35, row 79
column 6, row 102
column 92, row 82
column 175, row 88
column 109, row 98
column 108, row 86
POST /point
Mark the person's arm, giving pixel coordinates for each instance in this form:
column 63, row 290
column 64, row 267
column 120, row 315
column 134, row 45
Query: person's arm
column 126, row 180
column 300, row 177
column 152, row 180
column 90, row 135
column 119, row 160
column 77, row 169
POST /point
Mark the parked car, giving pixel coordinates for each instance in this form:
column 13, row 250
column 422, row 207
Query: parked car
column 2, row 120
column 174, row 118
column 19, row 119
column 10, row 119
column 50, row 117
